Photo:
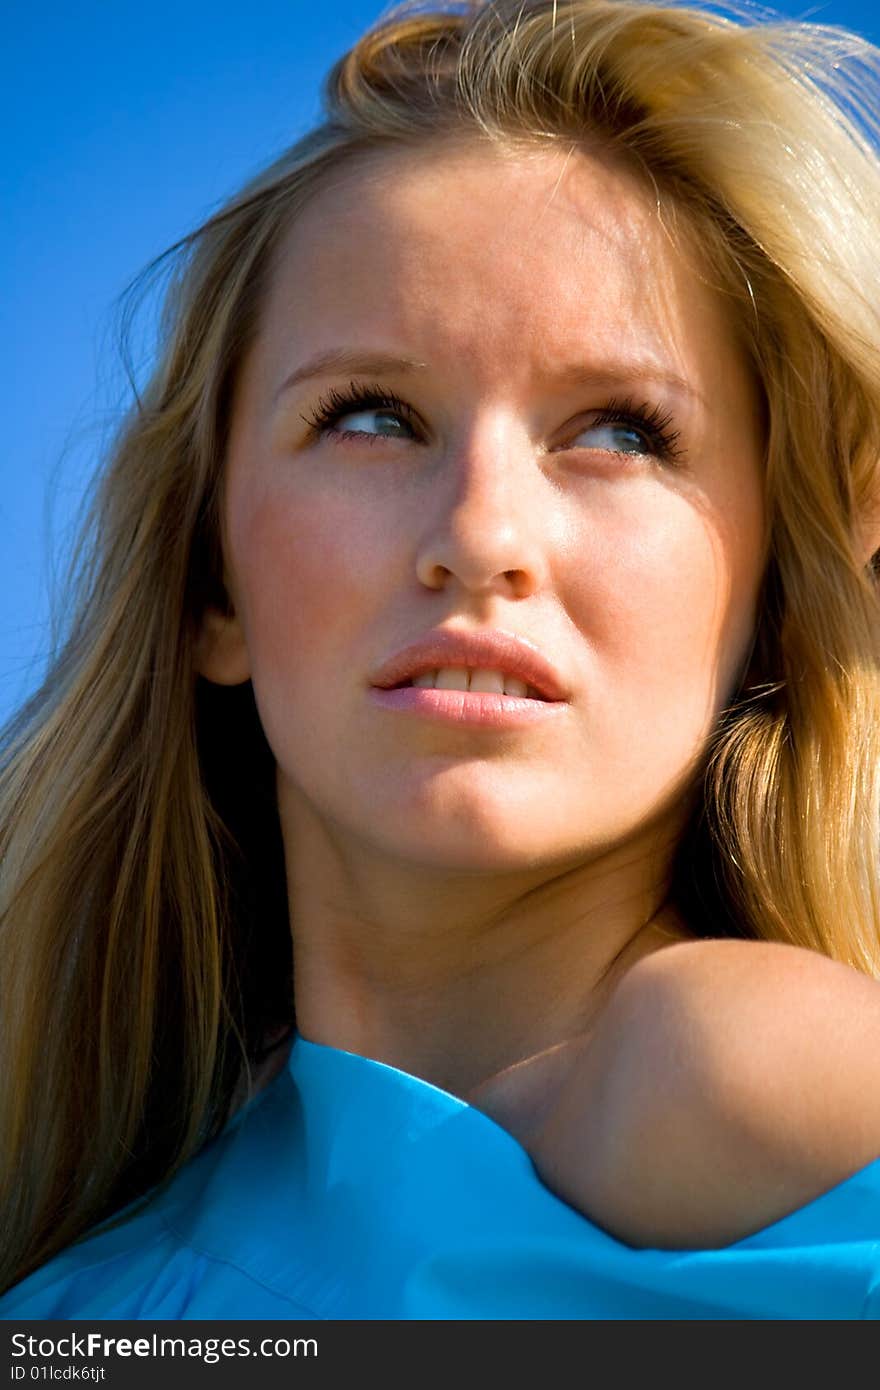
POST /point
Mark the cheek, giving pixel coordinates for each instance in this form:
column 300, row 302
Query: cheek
column 304, row 570
column 670, row 600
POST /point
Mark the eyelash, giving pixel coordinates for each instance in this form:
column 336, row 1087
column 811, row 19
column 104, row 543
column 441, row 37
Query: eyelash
column 653, row 423
column 338, row 403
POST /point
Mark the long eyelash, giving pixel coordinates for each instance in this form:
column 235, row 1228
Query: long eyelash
column 335, row 404
column 652, row 421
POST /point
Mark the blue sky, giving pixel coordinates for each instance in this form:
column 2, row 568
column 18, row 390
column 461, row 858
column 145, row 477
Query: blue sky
column 127, row 124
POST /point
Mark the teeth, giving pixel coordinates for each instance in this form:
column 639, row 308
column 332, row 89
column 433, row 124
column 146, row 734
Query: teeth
column 512, row 686
column 489, row 682
column 451, row 678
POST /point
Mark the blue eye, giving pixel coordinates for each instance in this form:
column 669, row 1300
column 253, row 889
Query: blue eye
column 620, row 438
column 619, row 427
column 359, row 404
column 361, row 414
column 622, row 427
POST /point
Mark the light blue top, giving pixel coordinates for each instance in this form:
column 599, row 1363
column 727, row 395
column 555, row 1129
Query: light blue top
column 349, row 1189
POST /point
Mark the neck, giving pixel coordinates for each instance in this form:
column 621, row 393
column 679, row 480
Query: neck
column 454, row 976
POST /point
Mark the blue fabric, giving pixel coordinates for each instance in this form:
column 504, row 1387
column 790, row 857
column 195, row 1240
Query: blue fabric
column 349, row 1189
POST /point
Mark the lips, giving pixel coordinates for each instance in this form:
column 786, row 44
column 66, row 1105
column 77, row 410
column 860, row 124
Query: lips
column 492, row 650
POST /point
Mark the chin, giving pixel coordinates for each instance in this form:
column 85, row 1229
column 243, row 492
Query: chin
column 481, row 860
column 483, row 844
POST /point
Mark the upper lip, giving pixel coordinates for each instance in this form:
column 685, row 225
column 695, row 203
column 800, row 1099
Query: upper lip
column 489, row 650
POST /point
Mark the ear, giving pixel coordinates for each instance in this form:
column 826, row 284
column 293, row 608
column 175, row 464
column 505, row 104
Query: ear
column 221, row 654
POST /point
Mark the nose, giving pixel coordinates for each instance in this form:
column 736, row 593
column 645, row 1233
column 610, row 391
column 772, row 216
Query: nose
column 484, row 523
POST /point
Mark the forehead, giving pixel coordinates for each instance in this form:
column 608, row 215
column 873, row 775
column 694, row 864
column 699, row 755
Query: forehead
column 513, row 259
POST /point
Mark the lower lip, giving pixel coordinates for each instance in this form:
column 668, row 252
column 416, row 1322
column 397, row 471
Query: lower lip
column 473, row 708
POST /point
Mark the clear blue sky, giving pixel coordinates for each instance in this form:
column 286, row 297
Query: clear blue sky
column 126, row 123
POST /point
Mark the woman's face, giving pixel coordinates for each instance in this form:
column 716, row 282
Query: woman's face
column 569, row 450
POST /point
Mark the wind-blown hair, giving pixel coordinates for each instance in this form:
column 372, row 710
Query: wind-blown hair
column 145, row 958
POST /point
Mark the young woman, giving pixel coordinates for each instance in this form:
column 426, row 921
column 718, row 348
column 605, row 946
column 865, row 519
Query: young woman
column 440, row 870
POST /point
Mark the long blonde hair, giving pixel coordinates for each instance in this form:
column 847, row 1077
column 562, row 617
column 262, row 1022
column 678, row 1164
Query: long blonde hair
column 144, row 939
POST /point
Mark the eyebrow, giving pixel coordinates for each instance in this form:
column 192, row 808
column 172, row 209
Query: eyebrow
column 359, row 363
column 349, row 360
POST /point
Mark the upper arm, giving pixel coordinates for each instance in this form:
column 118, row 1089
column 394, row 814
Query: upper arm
column 727, row 1084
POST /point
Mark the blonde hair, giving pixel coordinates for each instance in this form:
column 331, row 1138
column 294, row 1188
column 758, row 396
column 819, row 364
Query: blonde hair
column 139, row 963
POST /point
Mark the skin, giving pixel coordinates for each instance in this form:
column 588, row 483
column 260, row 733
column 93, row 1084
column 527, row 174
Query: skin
column 467, row 901
column 700, row 1109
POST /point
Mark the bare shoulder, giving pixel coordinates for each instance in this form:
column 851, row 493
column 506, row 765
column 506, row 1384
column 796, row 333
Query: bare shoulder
column 727, row 1084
